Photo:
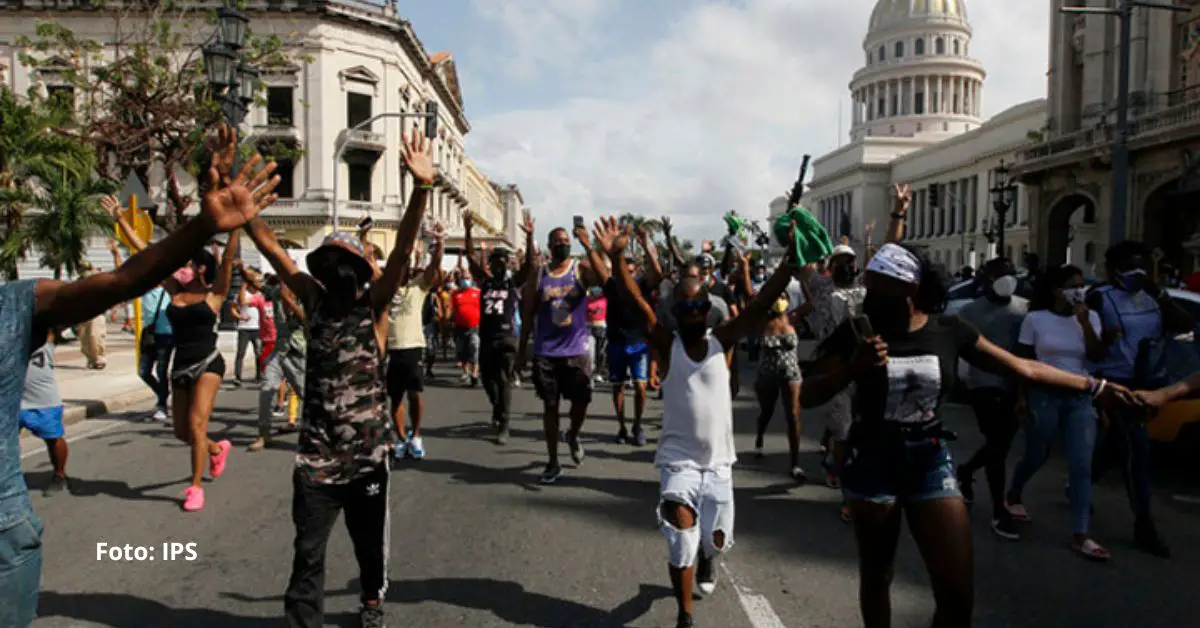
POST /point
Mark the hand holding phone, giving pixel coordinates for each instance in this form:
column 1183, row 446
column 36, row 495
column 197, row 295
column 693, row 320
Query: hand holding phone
column 366, row 223
column 579, row 222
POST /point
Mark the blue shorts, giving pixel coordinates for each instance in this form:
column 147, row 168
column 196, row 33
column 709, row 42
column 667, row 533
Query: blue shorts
column 889, row 469
column 628, row 362
column 44, row 423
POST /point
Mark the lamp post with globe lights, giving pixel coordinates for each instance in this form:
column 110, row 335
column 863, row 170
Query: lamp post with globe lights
column 230, row 78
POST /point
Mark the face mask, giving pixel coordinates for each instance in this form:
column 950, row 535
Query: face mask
column 1074, row 296
column 844, row 274
column 692, row 331
column 464, row 284
column 560, row 252
column 888, row 315
column 342, row 281
column 1004, row 287
column 1132, row 280
column 498, row 269
column 760, row 276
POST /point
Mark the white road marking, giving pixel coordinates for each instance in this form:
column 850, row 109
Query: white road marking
column 757, row 608
column 38, row 448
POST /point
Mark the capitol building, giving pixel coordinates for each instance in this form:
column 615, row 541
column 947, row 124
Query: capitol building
column 354, row 59
column 916, row 119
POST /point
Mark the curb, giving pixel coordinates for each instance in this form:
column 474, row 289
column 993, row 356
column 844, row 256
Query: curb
column 97, row 407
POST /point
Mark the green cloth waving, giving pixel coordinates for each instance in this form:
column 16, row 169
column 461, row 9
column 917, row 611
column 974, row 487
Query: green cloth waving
column 811, row 242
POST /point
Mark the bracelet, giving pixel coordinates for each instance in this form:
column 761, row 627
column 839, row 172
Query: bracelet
column 899, row 216
column 426, row 186
column 1100, row 388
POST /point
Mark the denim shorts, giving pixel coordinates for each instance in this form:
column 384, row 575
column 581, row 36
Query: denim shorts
column 628, row 362
column 20, row 569
column 892, row 469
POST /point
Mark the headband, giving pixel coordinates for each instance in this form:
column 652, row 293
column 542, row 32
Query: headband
column 897, row 262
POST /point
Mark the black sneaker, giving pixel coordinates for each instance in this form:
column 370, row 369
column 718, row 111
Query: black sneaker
column 577, row 452
column 685, row 621
column 639, row 437
column 966, row 485
column 56, row 485
column 1146, row 537
column 706, row 575
column 551, row 474
column 1005, row 528
column 372, row 616
column 622, row 436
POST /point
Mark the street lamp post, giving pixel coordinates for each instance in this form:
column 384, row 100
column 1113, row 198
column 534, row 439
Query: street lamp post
column 430, row 114
column 1003, row 194
column 230, row 78
column 1120, row 148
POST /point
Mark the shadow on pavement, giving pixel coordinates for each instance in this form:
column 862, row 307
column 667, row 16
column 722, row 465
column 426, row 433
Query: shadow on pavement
column 83, row 487
column 127, row 611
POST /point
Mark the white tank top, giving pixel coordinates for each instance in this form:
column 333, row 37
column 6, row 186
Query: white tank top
column 697, row 424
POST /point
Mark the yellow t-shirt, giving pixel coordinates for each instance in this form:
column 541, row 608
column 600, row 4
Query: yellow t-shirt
column 406, row 330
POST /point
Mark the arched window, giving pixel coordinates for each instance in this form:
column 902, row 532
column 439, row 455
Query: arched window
column 882, row 53
column 919, row 47
column 899, row 50
column 956, row 47
column 939, row 46
column 1089, row 214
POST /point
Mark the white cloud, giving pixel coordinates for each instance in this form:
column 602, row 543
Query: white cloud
column 714, row 113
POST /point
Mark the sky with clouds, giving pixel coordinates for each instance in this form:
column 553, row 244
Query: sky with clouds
column 685, row 108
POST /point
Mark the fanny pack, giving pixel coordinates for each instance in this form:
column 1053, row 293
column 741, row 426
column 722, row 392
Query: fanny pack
column 193, row 372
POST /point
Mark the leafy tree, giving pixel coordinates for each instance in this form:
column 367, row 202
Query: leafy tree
column 141, row 96
column 71, row 216
column 30, row 144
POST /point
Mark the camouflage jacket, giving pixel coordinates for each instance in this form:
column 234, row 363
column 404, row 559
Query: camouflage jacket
column 346, row 431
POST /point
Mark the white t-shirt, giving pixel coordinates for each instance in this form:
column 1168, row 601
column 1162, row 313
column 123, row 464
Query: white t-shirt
column 251, row 314
column 794, row 294
column 1058, row 340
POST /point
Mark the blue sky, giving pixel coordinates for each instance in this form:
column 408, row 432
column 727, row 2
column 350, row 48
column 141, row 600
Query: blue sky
column 680, row 107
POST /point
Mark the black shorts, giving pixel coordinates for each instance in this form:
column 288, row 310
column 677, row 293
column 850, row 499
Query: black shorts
column 181, row 377
column 567, row 378
column 404, row 371
column 496, row 362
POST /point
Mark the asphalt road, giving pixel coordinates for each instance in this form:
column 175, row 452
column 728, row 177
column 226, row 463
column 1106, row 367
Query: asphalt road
column 476, row 542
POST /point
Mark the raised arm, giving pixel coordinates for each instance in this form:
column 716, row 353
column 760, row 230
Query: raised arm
column 899, row 212
column 529, row 263
column 672, row 248
column 419, row 161
column 755, row 314
column 433, row 271
column 614, row 239
column 654, row 273
column 478, row 268
column 223, row 209
column 113, row 207
column 225, row 275
column 595, row 257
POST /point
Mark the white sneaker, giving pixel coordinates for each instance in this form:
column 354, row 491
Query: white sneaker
column 160, row 414
column 465, row 379
column 516, row 382
column 416, row 448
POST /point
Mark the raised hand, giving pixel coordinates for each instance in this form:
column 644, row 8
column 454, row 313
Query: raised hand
column 527, row 223
column 467, row 219
column 224, row 150
column 228, row 208
column 666, row 226
column 903, row 197
column 418, row 157
column 110, row 204
column 438, row 232
column 610, row 236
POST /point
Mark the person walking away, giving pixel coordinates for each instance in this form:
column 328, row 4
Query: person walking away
column 998, row 316
column 898, row 463
column 696, row 450
column 248, row 324
column 500, row 293
column 1061, row 331
column 286, row 362
column 597, row 312
column 406, row 348
column 28, row 309
column 1136, row 315
column 42, row 413
column 157, row 346
column 555, row 303
column 342, row 460
column 466, row 329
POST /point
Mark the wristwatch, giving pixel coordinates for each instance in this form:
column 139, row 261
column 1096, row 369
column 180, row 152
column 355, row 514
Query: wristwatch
column 899, row 216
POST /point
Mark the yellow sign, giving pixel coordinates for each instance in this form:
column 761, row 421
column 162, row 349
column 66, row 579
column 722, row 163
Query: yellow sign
column 142, row 225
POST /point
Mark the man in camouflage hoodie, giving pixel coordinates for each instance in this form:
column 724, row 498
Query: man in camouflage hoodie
column 346, row 432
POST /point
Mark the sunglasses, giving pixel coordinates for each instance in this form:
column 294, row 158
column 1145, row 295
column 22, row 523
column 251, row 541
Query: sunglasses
column 690, row 307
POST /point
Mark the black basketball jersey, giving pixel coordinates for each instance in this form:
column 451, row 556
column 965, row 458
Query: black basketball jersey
column 498, row 303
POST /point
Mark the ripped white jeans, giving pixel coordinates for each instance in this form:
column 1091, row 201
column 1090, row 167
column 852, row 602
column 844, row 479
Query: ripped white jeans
column 709, row 494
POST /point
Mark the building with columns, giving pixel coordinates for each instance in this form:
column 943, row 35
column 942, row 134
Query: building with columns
column 917, row 119
column 359, row 59
column 1068, row 170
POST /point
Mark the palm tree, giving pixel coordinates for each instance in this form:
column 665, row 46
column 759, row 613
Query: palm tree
column 29, row 141
column 652, row 226
column 71, row 216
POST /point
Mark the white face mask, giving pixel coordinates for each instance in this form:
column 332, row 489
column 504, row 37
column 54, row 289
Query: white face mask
column 1005, row 286
column 1074, row 296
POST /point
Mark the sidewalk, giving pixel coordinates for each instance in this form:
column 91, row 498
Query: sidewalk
column 89, row 393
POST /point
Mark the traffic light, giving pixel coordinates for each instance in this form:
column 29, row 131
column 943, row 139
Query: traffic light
column 934, row 197
column 431, row 119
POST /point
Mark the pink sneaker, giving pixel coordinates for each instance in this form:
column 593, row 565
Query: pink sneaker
column 216, row 464
column 193, row 499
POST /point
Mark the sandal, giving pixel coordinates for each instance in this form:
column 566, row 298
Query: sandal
column 1092, row 550
column 1019, row 514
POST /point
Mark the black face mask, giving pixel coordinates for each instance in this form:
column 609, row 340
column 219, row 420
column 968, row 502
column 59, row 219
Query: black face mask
column 844, row 274
column 498, row 270
column 888, row 315
column 341, row 281
column 560, row 252
column 692, row 331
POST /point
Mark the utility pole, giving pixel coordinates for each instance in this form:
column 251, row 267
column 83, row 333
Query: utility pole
column 1120, row 148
